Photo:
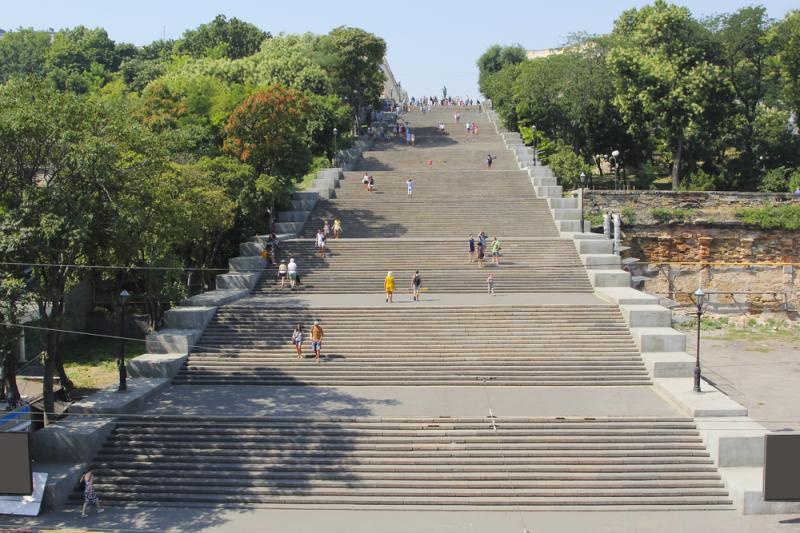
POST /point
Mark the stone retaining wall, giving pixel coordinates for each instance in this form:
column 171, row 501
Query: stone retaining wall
column 706, row 206
column 738, row 288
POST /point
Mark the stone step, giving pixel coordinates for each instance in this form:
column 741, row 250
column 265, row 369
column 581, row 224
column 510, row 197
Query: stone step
column 437, row 461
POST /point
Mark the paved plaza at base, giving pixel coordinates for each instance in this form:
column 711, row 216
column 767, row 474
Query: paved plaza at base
column 363, row 521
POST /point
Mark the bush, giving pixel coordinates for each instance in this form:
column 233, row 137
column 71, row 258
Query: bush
column 780, row 179
column 786, row 217
column 775, row 180
column 663, row 214
column 628, row 214
column 700, row 181
column 567, row 165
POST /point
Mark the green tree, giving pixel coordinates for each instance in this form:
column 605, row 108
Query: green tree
column 13, row 302
column 785, row 37
column 567, row 165
column 746, row 49
column 499, row 87
column 666, row 78
column 222, row 37
column 495, row 59
column 353, row 58
column 81, row 59
column 22, row 53
column 60, row 158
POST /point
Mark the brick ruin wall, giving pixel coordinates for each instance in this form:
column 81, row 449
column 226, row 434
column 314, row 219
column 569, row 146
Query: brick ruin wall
column 712, row 235
column 737, row 288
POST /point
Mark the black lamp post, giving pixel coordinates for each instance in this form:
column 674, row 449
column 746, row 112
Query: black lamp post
column 123, row 373
column 615, row 155
column 583, row 184
column 535, row 144
column 335, row 146
column 699, row 300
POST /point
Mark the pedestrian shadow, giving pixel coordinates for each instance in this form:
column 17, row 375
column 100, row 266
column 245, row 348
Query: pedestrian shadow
column 213, row 446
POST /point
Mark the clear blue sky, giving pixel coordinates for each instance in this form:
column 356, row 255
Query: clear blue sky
column 429, row 43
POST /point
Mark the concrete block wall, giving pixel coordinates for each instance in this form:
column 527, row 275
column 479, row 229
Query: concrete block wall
column 169, row 347
column 735, row 441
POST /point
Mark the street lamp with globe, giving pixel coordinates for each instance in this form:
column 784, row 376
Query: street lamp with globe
column 615, row 155
column 699, row 301
column 123, row 373
column 583, row 185
column 335, row 146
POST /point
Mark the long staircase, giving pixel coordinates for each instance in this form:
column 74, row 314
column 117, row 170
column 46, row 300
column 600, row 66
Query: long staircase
column 518, row 345
column 270, row 434
column 409, row 463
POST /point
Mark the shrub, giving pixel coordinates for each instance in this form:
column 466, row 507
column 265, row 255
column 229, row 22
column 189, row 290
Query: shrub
column 663, row 214
column 700, row 181
column 786, row 217
column 567, row 165
column 628, row 214
column 775, row 180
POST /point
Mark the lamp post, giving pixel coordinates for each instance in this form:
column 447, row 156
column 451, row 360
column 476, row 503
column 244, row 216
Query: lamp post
column 535, row 143
column 699, row 300
column 335, row 146
column 123, row 373
column 615, row 155
column 583, row 184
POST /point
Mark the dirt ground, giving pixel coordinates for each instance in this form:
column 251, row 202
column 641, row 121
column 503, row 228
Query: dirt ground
column 760, row 372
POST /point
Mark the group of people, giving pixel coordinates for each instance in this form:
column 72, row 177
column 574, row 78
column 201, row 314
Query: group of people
column 298, row 336
column 427, row 101
column 476, row 251
column 270, row 251
column 369, row 182
column 403, row 130
column 324, row 232
column 389, row 286
column 472, row 129
column 288, row 271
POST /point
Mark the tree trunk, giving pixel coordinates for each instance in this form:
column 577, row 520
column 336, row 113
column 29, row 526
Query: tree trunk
column 599, row 165
column 9, row 384
column 676, row 164
column 47, row 383
column 66, row 383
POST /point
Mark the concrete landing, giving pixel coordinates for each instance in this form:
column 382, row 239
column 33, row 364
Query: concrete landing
column 402, row 298
column 170, row 519
column 410, row 401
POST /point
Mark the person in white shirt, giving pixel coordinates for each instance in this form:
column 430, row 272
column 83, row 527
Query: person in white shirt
column 292, row 268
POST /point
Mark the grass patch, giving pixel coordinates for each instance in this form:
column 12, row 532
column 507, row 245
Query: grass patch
column 595, row 219
column 663, row 214
column 751, row 331
column 706, row 324
column 91, row 363
column 786, row 217
column 318, row 163
column 771, row 330
column 628, row 214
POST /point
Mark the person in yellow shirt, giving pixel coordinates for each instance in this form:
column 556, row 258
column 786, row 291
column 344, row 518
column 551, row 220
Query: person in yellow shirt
column 388, row 286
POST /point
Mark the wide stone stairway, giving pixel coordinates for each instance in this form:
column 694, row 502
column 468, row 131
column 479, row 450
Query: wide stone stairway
column 536, row 398
column 527, row 265
column 518, row 345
